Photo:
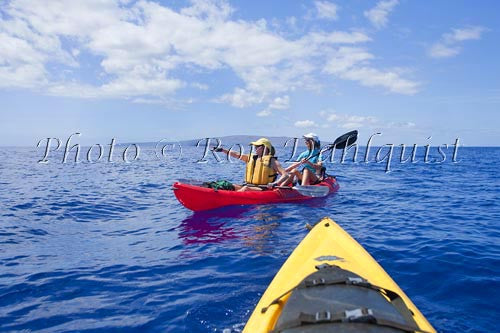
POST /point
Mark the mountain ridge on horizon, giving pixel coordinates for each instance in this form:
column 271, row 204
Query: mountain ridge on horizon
column 242, row 139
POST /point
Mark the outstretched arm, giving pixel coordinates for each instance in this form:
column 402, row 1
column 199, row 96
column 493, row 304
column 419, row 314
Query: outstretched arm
column 234, row 154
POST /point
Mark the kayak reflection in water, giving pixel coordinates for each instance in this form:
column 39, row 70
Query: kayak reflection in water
column 262, row 167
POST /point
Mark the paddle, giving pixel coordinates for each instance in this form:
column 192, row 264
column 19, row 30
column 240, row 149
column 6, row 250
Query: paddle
column 341, row 142
column 313, row 191
column 345, row 140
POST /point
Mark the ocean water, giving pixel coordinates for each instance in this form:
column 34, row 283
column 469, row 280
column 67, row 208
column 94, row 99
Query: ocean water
column 91, row 247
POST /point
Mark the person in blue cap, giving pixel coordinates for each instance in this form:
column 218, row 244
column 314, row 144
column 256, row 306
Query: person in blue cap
column 311, row 159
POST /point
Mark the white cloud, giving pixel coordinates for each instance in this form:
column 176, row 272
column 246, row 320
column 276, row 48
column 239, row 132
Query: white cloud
column 305, row 124
column 241, row 98
column 351, row 63
column 264, row 82
column 22, row 76
column 145, row 49
column 216, row 11
column 264, row 113
column 378, row 15
column 450, row 43
column 345, row 58
column 318, row 39
column 351, row 125
column 280, row 103
column 21, row 64
column 468, row 33
column 348, row 121
column 292, row 22
column 200, row 86
column 407, row 124
column 176, row 104
column 440, row 50
column 372, row 77
column 326, row 10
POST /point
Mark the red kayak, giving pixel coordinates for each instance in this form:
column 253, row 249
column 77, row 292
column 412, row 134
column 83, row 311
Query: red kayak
column 198, row 198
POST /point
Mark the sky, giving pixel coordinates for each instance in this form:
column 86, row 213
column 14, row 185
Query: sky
column 424, row 72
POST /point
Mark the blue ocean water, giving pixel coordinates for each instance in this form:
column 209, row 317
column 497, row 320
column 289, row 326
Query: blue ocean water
column 105, row 246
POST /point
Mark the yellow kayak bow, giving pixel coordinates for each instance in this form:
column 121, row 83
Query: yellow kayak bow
column 330, row 283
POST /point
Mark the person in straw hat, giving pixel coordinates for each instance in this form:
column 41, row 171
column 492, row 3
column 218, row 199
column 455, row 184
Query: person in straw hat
column 262, row 167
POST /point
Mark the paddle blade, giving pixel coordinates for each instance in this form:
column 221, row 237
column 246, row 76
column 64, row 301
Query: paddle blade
column 346, row 140
column 313, row 190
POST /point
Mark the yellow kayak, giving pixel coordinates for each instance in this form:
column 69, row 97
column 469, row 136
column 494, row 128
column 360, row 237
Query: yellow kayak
column 331, row 284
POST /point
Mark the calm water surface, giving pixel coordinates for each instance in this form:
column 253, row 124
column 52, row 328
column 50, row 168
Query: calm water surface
column 107, row 247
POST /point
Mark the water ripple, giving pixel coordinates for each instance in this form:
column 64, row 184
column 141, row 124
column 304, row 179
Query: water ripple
column 106, row 246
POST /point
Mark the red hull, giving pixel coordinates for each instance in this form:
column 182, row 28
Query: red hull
column 199, row 198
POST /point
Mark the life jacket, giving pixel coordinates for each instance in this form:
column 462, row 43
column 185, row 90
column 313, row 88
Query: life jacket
column 259, row 170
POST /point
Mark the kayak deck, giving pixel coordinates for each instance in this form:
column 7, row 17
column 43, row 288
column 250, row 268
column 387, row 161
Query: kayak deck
column 326, row 243
column 198, row 198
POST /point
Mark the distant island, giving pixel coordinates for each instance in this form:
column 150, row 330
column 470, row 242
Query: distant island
column 244, row 140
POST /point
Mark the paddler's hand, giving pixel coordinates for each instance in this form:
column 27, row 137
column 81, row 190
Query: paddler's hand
column 271, row 185
column 217, row 149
